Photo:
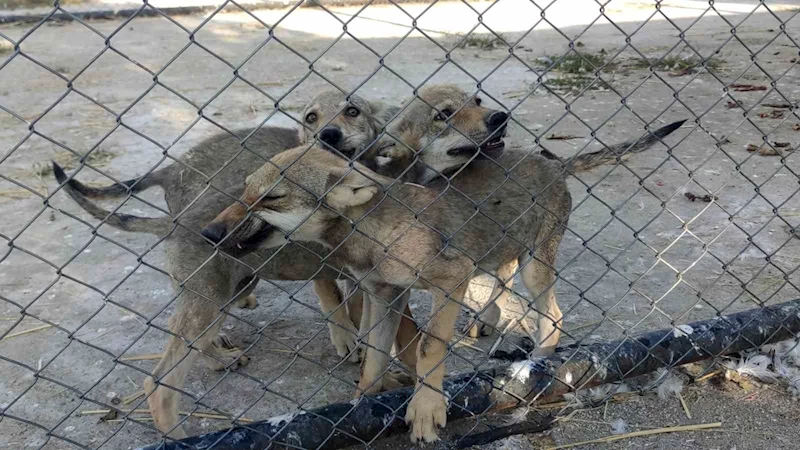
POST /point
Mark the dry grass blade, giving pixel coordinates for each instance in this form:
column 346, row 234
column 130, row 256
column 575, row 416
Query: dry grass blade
column 140, row 419
column 617, row 437
column 32, row 330
column 131, row 398
column 554, row 405
column 15, row 194
column 91, row 412
column 708, row 376
column 684, row 405
column 214, row 416
column 468, row 345
column 143, row 357
column 616, row 398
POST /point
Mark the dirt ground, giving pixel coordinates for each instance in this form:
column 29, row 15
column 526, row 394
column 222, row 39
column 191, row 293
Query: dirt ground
column 749, row 421
column 659, row 260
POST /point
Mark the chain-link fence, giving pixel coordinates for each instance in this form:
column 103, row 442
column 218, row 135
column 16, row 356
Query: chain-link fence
column 488, row 207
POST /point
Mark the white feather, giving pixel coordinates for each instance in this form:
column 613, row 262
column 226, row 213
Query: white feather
column 518, row 415
column 780, row 367
column 511, row 443
column 521, row 370
column 789, row 374
column 573, row 399
column 619, row 426
column 794, row 387
column 602, row 393
column 755, row 366
column 595, row 395
column 788, row 350
column 668, row 383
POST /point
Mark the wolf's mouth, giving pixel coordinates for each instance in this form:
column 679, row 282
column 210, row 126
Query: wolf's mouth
column 492, row 148
column 348, row 152
column 239, row 248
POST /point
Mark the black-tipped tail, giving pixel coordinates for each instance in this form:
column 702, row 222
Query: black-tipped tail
column 668, row 129
column 114, row 190
column 159, row 226
column 587, row 161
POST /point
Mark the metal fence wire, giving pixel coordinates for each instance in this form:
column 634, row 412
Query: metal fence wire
column 678, row 241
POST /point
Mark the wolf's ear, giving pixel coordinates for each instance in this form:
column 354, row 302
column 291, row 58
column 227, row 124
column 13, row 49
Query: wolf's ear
column 350, row 188
column 376, row 108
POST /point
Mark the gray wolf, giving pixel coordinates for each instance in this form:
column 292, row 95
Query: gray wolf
column 223, row 281
column 410, row 236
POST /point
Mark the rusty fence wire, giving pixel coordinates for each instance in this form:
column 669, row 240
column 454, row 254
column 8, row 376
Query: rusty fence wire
column 389, row 197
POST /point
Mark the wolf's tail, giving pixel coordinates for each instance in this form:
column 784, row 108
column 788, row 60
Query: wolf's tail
column 586, row 161
column 81, row 193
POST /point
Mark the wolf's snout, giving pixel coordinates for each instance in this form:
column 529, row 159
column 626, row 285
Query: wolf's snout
column 496, row 120
column 331, row 136
column 215, row 231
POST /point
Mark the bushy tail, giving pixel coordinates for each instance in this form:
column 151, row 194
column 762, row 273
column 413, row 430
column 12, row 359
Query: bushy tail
column 586, row 161
column 79, row 192
column 135, row 185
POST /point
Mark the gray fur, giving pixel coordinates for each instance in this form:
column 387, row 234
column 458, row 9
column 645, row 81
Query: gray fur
column 221, row 279
column 586, row 161
column 430, row 238
column 126, row 222
column 360, row 132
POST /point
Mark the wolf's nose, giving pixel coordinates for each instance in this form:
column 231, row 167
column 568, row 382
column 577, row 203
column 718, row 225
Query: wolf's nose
column 496, row 120
column 331, row 136
column 215, row 231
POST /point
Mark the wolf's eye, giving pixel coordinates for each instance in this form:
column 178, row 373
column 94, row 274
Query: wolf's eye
column 444, row 114
column 311, row 118
column 478, row 101
column 271, row 196
column 352, row 111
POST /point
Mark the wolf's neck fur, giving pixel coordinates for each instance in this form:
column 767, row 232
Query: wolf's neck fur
column 358, row 231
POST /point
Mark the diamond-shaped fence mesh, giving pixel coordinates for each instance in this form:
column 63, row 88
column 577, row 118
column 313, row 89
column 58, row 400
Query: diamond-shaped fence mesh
column 374, row 218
